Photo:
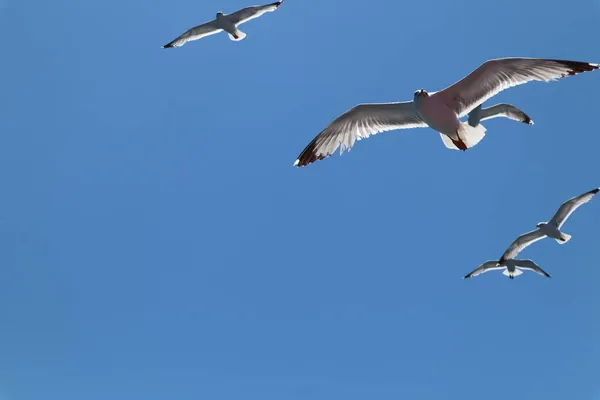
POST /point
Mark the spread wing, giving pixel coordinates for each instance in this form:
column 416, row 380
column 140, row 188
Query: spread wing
column 485, row 267
column 520, row 243
column 494, row 76
column 529, row 265
column 248, row 13
column 567, row 208
column 499, row 110
column 358, row 123
column 197, row 32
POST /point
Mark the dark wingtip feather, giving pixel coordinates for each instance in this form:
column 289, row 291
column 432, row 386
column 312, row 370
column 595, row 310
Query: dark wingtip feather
column 168, row 45
column 309, row 155
column 577, row 67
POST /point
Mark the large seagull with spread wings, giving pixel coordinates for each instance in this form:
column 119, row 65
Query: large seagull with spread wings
column 224, row 22
column 440, row 110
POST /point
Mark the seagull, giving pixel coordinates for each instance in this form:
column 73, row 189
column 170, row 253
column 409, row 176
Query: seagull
column 438, row 110
column 552, row 227
column 499, row 110
column 224, row 22
column 511, row 268
column 507, row 260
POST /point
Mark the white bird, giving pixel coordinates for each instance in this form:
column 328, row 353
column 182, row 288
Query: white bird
column 552, row 227
column 224, row 22
column 499, row 110
column 511, row 268
column 438, row 110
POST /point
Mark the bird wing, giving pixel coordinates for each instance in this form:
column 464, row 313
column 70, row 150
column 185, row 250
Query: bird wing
column 197, row 32
column 248, row 13
column 520, row 243
column 493, row 76
column 567, row 208
column 485, row 267
column 529, row 265
column 358, row 123
column 505, row 110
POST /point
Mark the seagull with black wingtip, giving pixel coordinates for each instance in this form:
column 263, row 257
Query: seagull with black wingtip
column 441, row 110
column 224, row 22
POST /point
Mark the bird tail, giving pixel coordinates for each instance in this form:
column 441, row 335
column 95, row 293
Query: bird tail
column 564, row 238
column 517, row 272
column 469, row 137
column 237, row 35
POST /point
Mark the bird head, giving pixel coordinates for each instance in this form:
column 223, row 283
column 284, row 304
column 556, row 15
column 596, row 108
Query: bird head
column 540, row 224
column 421, row 92
column 219, row 14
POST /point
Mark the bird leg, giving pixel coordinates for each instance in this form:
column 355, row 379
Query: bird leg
column 459, row 143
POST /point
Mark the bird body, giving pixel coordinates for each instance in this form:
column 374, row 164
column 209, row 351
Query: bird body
column 228, row 26
column 434, row 111
column 511, row 268
column 436, row 114
column 553, row 232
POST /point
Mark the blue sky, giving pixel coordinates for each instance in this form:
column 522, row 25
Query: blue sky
column 155, row 240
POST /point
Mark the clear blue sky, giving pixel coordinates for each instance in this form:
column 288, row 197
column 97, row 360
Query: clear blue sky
column 156, row 242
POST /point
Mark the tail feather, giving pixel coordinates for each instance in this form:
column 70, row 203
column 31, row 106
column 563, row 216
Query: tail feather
column 237, row 35
column 469, row 136
column 517, row 272
column 564, row 238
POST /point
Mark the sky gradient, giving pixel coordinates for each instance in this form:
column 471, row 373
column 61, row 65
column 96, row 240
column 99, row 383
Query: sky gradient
column 156, row 242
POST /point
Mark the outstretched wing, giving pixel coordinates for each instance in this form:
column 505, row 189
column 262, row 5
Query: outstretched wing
column 197, row 32
column 493, row 76
column 567, row 208
column 485, row 267
column 248, row 13
column 499, row 110
column 358, row 123
column 520, row 243
column 529, row 265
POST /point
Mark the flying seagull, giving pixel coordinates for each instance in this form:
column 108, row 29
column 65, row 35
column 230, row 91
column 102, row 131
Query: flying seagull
column 508, row 262
column 438, row 110
column 224, row 22
column 511, row 268
column 499, row 110
column 552, row 227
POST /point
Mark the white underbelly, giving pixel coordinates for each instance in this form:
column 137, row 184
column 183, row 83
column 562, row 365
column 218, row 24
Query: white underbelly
column 438, row 116
column 550, row 232
column 226, row 24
